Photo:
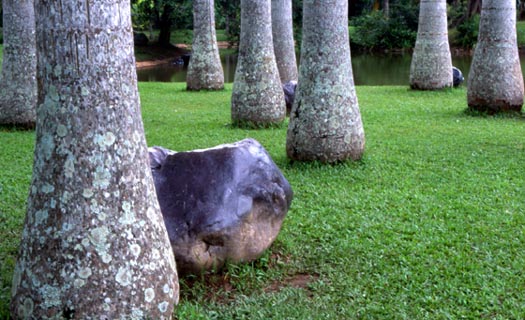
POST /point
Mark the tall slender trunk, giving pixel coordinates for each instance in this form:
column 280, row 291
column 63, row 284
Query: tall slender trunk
column 495, row 81
column 257, row 98
column 431, row 66
column 283, row 42
column 18, row 86
column 325, row 122
column 205, row 69
column 94, row 244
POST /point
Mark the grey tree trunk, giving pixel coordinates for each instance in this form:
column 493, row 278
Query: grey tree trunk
column 94, row 244
column 495, row 81
column 325, row 122
column 283, row 41
column 18, row 86
column 431, row 67
column 257, row 97
column 205, row 69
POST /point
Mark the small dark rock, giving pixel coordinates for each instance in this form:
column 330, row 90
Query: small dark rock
column 220, row 204
column 289, row 94
column 457, row 77
column 140, row 39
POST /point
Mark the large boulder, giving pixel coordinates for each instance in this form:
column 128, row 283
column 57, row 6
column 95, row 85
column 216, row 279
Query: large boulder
column 289, row 94
column 221, row 204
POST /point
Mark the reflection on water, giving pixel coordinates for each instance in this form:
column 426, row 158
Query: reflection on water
column 368, row 69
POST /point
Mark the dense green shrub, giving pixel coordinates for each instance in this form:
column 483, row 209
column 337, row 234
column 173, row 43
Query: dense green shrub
column 376, row 31
column 466, row 34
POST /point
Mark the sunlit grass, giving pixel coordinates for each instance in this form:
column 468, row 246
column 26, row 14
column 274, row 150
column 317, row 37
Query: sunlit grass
column 430, row 224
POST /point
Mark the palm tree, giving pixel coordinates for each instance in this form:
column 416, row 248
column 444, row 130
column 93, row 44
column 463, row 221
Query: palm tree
column 205, row 69
column 257, row 98
column 18, row 86
column 431, row 67
column 283, row 41
column 94, row 243
column 495, row 81
column 325, row 122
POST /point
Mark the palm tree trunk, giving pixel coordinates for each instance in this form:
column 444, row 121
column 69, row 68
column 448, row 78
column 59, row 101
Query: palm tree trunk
column 283, row 42
column 495, row 81
column 94, row 243
column 257, row 98
column 325, row 122
column 18, row 86
column 431, row 66
column 205, row 69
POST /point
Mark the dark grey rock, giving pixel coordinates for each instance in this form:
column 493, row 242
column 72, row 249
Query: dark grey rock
column 140, row 39
column 220, row 204
column 289, row 94
column 457, row 77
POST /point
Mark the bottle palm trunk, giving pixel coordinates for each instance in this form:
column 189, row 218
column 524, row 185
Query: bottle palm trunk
column 94, row 243
column 495, row 81
column 205, row 69
column 283, row 41
column 18, row 86
column 257, row 98
column 431, row 67
column 325, row 121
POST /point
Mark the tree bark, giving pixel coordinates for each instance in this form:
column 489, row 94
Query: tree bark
column 18, row 86
column 431, row 67
column 205, row 69
column 495, row 81
column 257, row 98
column 165, row 26
column 325, row 122
column 283, row 41
column 94, row 244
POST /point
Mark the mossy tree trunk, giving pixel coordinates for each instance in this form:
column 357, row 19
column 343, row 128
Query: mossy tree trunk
column 94, row 244
column 431, row 67
column 205, row 69
column 18, row 86
column 283, row 41
column 495, row 81
column 325, row 121
column 257, row 97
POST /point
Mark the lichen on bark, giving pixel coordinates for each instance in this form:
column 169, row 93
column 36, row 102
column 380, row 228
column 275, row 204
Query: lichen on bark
column 431, row 67
column 205, row 69
column 94, row 244
column 257, row 97
column 495, row 81
column 325, row 121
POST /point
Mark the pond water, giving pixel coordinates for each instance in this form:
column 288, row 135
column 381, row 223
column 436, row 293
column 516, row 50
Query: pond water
column 368, row 69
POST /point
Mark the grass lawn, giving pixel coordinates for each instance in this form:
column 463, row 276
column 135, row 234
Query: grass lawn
column 430, row 224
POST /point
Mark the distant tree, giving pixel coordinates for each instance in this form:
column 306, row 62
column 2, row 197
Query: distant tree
column 229, row 14
column 325, row 122
column 431, row 66
column 257, row 97
column 164, row 15
column 283, row 41
column 94, row 244
column 205, row 69
column 18, row 86
column 495, row 81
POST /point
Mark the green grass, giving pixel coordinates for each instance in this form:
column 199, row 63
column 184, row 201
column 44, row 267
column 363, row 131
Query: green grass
column 429, row 225
column 520, row 29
